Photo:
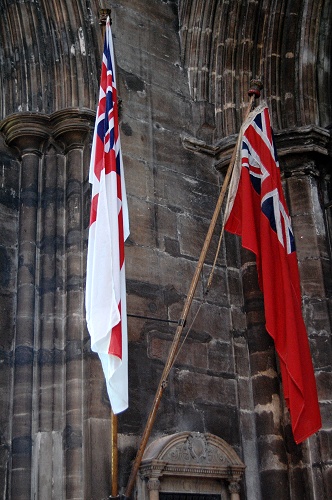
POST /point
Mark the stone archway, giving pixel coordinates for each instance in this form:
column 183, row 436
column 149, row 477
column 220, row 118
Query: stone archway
column 270, row 40
column 190, row 463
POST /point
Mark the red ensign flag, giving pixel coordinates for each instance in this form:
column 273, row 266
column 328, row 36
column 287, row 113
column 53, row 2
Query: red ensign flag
column 109, row 228
column 257, row 211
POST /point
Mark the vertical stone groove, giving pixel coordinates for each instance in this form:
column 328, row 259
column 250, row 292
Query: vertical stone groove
column 48, row 352
column 47, row 59
column 286, row 43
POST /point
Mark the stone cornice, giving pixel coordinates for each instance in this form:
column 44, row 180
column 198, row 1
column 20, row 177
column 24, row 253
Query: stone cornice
column 296, row 142
column 160, row 468
column 70, row 126
column 25, row 132
column 28, row 132
column 302, row 140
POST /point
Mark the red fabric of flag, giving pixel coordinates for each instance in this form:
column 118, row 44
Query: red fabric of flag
column 109, row 228
column 257, row 211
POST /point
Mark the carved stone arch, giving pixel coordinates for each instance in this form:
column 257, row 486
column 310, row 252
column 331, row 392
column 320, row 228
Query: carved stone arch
column 324, row 64
column 197, row 29
column 287, row 44
column 304, row 59
column 190, row 462
column 50, row 55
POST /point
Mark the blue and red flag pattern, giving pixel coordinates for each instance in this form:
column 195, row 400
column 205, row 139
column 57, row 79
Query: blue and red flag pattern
column 109, row 228
column 257, row 211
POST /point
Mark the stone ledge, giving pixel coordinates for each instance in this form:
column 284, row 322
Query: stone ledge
column 290, row 142
column 28, row 132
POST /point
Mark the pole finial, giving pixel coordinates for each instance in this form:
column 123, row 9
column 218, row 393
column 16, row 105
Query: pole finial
column 255, row 88
column 103, row 15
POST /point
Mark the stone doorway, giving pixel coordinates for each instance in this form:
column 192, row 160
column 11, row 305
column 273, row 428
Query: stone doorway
column 190, row 466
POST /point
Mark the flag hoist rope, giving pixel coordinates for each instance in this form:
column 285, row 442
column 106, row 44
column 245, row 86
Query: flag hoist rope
column 253, row 92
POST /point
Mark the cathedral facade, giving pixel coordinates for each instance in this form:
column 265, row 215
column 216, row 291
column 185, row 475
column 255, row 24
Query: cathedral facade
column 184, row 68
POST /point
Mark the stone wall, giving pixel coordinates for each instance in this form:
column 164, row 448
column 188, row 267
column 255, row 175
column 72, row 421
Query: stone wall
column 183, row 72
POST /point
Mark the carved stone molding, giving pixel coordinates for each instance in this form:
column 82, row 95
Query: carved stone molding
column 153, row 484
column 70, row 126
column 292, row 145
column 234, row 487
column 28, row 132
column 199, row 146
column 191, row 455
column 50, row 55
column 297, row 142
column 221, row 58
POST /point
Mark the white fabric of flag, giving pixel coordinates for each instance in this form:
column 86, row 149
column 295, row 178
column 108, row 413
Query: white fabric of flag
column 109, row 228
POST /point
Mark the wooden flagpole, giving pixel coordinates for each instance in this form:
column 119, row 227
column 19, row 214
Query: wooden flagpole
column 253, row 92
column 103, row 15
column 114, row 455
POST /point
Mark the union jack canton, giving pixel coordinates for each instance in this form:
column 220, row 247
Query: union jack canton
column 272, row 201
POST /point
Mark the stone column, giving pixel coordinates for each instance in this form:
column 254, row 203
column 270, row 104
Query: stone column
column 265, row 398
column 305, row 202
column 71, row 129
column 234, row 489
column 48, row 393
column 153, row 487
column 9, row 219
column 27, row 137
column 48, row 461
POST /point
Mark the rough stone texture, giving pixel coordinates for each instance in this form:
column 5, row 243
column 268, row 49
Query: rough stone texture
column 8, row 269
column 183, row 76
